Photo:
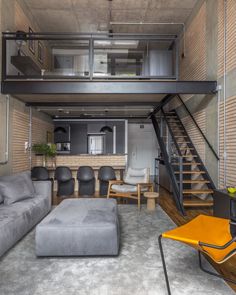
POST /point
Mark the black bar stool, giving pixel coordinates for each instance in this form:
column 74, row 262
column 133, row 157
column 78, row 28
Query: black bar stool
column 105, row 174
column 65, row 181
column 86, row 181
column 40, row 173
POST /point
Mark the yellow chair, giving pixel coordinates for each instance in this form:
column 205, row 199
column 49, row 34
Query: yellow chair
column 207, row 234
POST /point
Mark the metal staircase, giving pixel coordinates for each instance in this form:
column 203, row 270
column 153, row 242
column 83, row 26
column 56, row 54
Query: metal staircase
column 191, row 182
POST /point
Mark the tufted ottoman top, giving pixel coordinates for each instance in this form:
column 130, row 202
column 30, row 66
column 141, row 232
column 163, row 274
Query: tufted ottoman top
column 81, row 212
column 79, row 227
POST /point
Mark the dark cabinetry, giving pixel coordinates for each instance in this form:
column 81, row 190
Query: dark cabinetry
column 78, row 139
column 77, row 134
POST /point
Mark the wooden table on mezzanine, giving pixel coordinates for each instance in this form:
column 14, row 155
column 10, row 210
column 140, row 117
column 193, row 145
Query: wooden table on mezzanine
column 121, row 169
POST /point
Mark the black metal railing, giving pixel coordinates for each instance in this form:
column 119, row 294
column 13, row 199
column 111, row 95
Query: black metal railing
column 198, row 128
column 171, row 155
column 28, row 55
column 175, row 155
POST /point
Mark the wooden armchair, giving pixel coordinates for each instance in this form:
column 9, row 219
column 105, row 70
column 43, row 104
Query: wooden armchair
column 135, row 183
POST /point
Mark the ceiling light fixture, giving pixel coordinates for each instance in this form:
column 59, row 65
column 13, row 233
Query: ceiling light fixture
column 106, row 128
column 60, row 130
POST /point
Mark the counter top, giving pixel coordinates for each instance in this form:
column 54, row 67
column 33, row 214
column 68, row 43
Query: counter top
column 75, row 168
column 88, row 155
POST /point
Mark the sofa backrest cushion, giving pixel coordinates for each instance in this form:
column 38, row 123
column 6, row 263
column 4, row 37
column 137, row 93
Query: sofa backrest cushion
column 16, row 187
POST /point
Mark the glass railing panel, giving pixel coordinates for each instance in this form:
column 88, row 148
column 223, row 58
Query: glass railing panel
column 81, row 56
column 133, row 59
column 46, row 59
column 118, row 58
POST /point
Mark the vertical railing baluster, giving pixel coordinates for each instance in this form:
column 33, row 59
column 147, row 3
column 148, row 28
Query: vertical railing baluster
column 181, row 179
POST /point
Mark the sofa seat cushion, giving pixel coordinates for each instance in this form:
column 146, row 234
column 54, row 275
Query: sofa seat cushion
column 16, row 187
column 16, row 219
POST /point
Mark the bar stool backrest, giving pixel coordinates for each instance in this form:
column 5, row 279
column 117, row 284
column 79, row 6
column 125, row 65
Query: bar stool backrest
column 39, row 173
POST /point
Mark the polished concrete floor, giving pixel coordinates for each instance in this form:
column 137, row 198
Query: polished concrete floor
column 136, row 271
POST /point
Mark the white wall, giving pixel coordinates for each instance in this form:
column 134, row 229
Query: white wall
column 142, row 146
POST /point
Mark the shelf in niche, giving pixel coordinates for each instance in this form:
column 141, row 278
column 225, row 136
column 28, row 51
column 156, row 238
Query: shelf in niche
column 25, row 65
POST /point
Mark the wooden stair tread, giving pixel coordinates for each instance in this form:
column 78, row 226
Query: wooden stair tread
column 198, row 203
column 188, row 164
column 188, row 156
column 183, row 142
column 191, row 172
column 200, row 181
column 198, row 191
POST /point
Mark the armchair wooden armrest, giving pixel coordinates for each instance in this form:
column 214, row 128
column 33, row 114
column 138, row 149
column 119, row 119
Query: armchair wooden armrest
column 145, row 184
column 111, row 182
column 115, row 182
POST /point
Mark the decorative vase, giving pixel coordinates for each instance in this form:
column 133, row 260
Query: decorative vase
column 44, row 161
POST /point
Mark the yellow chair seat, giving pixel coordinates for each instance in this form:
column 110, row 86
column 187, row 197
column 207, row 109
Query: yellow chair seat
column 205, row 229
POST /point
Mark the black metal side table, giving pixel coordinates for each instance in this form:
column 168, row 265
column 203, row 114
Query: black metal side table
column 224, row 204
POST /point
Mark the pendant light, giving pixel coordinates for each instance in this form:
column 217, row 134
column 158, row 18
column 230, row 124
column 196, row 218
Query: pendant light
column 60, row 130
column 106, row 128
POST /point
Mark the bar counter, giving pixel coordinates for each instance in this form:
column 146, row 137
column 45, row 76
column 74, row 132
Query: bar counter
column 117, row 161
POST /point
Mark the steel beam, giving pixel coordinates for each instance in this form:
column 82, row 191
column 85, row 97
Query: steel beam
column 108, row 87
column 164, row 101
column 92, row 104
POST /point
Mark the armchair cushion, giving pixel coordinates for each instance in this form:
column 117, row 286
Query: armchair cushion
column 135, row 176
column 127, row 188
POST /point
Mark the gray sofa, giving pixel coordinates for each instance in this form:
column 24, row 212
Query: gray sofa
column 23, row 204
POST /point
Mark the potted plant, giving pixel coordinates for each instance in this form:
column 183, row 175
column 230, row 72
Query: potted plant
column 45, row 150
column 51, row 153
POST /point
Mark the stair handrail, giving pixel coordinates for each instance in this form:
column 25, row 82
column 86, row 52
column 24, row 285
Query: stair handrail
column 180, row 156
column 169, row 168
column 171, row 133
column 200, row 130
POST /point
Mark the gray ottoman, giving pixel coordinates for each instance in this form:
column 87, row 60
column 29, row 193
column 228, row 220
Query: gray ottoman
column 79, row 227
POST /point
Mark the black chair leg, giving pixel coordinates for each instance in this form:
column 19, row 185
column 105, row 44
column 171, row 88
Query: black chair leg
column 212, row 273
column 164, row 264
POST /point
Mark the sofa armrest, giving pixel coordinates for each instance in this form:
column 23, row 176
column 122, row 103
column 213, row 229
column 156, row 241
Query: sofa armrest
column 44, row 188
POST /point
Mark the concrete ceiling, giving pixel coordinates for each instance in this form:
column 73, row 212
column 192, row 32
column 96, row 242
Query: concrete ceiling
column 95, row 15
column 99, row 105
column 97, row 112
